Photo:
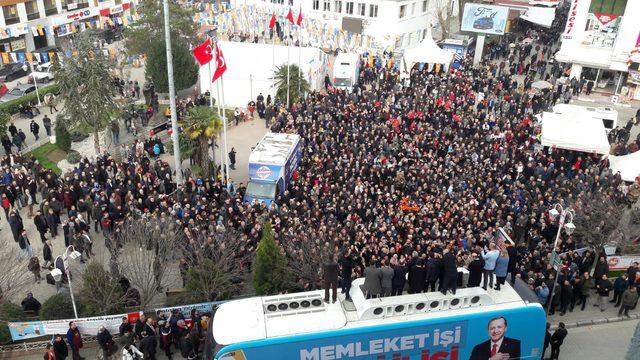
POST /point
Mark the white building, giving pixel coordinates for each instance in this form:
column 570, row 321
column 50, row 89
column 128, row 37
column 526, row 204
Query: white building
column 598, row 39
column 31, row 25
column 394, row 23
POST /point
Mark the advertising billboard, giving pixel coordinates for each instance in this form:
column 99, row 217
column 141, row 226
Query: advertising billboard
column 488, row 19
column 520, row 333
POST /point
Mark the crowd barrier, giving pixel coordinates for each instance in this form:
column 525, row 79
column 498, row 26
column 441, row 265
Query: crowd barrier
column 89, row 325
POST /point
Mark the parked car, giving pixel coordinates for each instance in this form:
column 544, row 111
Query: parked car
column 12, row 71
column 43, row 73
column 17, row 92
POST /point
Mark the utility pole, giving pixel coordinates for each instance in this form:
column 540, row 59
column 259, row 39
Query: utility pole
column 175, row 136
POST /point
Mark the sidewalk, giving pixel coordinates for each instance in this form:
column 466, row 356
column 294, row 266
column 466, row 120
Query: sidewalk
column 591, row 315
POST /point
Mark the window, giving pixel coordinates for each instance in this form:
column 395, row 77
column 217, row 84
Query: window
column 83, row 4
column 32, row 10
column 316, row 4
column 337, row 6
column 425, row 5
column 614, row 7
column 10, row 14
column 326, row 5
column 50, row 7
column 290, row 2
column 349, row 7
column 362, row 8
column 413, row 8
column 373, row 11
column 403, row 11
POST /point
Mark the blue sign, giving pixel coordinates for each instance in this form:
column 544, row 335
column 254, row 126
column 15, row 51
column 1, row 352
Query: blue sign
column 480, row 18
column 264, row 173
column 520, row 333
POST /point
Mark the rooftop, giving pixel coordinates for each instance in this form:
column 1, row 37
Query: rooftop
column 274, row 149
column 273, row 316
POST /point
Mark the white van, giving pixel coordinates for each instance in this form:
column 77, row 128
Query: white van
column 607, row 115
column 346, row 71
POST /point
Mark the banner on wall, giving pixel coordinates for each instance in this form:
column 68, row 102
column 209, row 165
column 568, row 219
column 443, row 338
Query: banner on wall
column 578, row 12
column 186, row 309
column 33, row 329
column 621, row 262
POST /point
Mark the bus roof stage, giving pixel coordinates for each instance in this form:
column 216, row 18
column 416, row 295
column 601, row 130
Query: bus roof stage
column 274, row 149
column 300, row 313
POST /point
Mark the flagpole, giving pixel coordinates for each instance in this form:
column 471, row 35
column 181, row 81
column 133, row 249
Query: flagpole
column 273, row 54
column 213, row 150
column 222, row 157
column 224, row 127
column 299, row 59
column 172, row 96
column 288, row 62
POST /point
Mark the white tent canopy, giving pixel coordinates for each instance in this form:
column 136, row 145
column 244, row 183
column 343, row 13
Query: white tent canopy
column 574, row 133
column 628, row 165
column 427, row 52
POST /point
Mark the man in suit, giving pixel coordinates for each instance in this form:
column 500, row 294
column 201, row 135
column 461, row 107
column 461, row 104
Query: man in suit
column 330, row 277
column 372, row 286
column 386, row 278
column 498, row 347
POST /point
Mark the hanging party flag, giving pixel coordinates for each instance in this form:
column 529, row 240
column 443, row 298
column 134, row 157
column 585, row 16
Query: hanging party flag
column 299, row 19
column 5, row 58
column 37, row 56
column 14, row 58
column 29, row 57
column 51, row 55
column 203, row 52
column 221, row 65
column 40, row 30
column 272, row 22
column 34, row 31
column 21, row 57
column 290, row 17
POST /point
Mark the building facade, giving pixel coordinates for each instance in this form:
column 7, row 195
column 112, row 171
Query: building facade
column 28, row 26
column 598, row 41
column 394, row 23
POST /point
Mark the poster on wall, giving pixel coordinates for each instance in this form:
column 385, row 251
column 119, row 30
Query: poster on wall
column 488, row 19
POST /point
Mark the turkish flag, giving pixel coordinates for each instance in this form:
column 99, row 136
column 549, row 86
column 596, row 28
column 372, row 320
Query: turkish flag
column 203, row 52
column 221, row 64
column 272, row 22
column 299, row 20
column 290, row 17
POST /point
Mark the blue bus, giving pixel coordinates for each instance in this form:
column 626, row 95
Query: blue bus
column 473, row 324
column 271, row 166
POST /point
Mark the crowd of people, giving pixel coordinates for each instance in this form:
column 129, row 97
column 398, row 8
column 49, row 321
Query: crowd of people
column 397, row 181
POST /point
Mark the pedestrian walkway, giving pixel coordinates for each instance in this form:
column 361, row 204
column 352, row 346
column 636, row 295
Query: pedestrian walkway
column 592, row 315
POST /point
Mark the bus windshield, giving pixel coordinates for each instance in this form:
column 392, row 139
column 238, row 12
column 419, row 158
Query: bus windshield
column 342, row 82
column 261, row 190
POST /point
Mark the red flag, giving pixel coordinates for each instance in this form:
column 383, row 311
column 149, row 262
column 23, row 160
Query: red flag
column 221, row 64
column 272, row 22
column 290, row 17
column 203, row 52
column 299, row 20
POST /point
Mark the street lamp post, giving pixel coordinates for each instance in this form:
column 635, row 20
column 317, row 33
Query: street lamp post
column 35, row 81
column 569, row 228
column 62, row 265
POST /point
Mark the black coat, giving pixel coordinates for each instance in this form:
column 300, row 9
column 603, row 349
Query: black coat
column 475, row 272
column 558, row 337
column 449, row 265
column 41, row 223
column 399, row 275
column 148, row 345
column 61, row 350
column 417, row 276
column 433, row 269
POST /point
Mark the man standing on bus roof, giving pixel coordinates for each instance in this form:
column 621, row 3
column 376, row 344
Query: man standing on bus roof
column 330, row 277
column 372, row 286
column 498, row 347
column 490, row 257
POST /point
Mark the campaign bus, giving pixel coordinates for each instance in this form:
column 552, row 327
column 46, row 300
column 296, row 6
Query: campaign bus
column 473, row 324
column 271, row 166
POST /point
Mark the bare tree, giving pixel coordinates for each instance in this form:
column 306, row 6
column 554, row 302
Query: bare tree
column 306, row 252
column 444, row 12
column 14, row 276
column 100, row 292
column 218, row 262
column 601, row 220
column 147, row 254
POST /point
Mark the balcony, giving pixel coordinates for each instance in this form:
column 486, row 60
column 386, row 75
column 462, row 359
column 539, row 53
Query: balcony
column 11, row 20
column 33, row 15
column 51, row 11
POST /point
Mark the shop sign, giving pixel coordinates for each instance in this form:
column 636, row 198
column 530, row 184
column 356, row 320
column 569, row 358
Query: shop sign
column 605, row 18
column 75, row 15
column 19, row 44
column 634, row 77
column 116, row 9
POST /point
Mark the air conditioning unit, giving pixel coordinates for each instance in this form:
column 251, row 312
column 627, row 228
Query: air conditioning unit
column 280, row 304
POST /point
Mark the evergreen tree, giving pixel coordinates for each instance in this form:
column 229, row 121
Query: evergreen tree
column 270, row 275
column 185, row 69
column 280, row 82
